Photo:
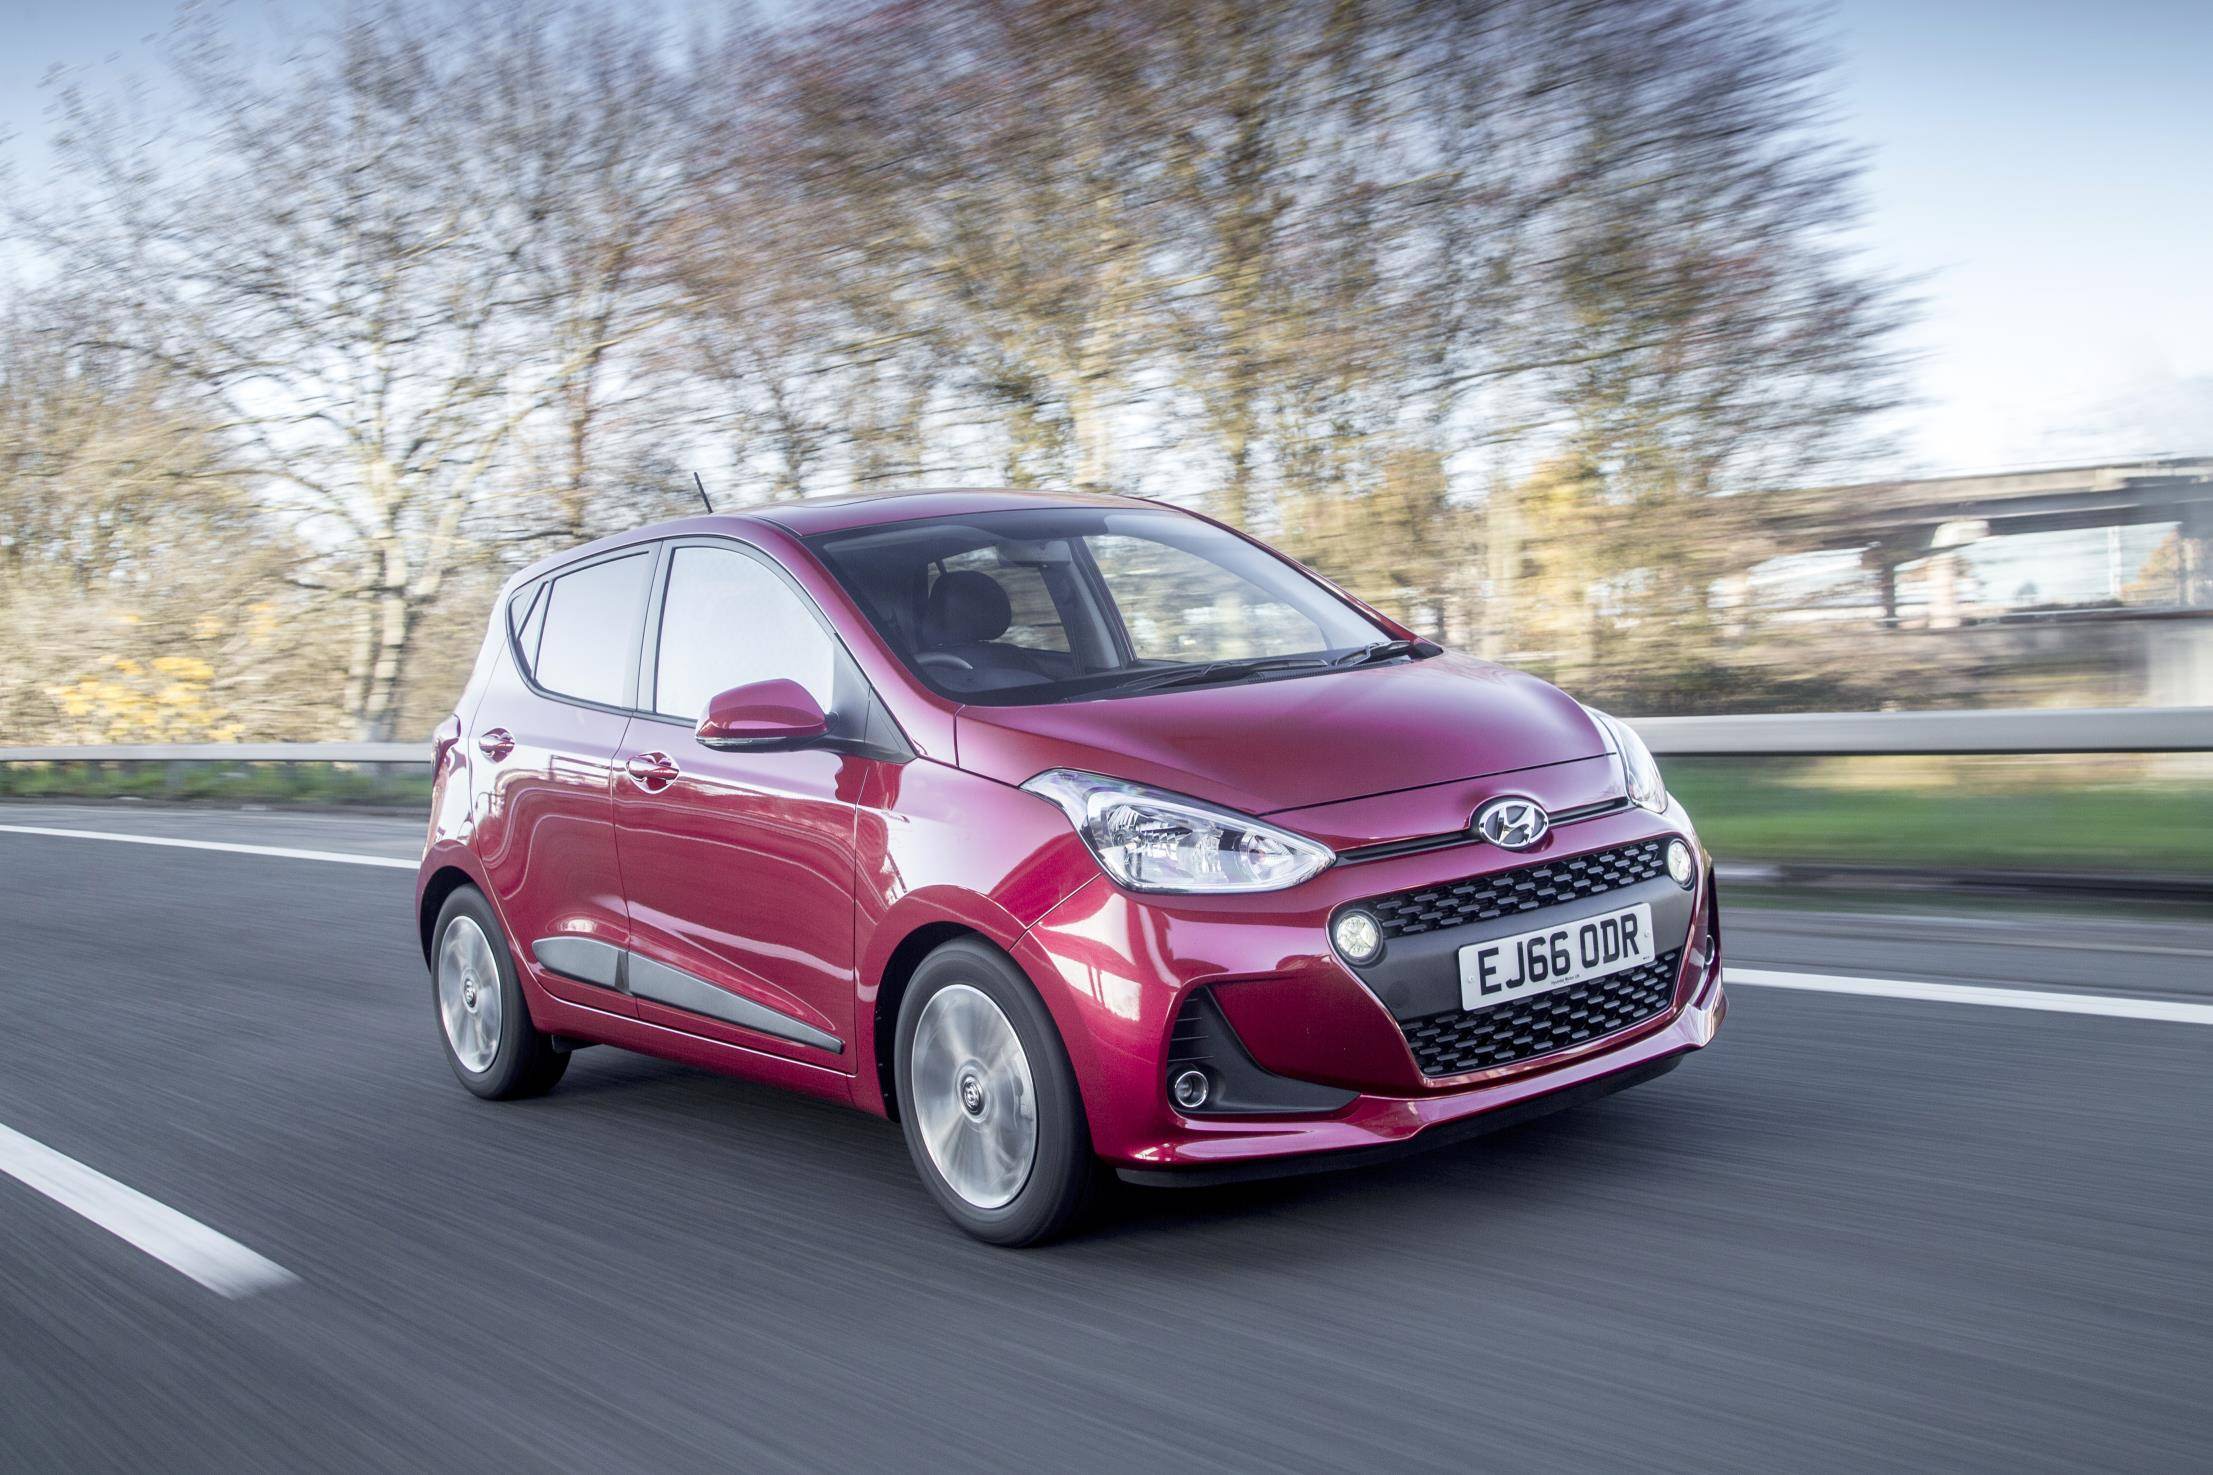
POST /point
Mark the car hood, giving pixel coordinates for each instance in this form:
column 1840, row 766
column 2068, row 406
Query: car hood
column 1272, row 745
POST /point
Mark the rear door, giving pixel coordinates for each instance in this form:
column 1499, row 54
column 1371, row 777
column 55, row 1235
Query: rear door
column 542, row 754
column 739, row 866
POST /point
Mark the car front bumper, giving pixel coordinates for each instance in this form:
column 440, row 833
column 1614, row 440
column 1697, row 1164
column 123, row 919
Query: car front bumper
column 1127, row 966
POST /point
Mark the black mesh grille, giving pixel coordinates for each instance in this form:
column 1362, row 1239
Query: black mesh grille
column 1462, row 1040
column 1503, row 893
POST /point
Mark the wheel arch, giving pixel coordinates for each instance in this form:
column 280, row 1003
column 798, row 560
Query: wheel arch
column 920, row 923
column 891, row 990
column 436, row 888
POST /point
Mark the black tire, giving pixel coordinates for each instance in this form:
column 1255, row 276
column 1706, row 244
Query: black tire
column 523, row 1062
column 1063, row 1175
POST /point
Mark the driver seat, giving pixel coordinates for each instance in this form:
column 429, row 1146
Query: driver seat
column 966, row 614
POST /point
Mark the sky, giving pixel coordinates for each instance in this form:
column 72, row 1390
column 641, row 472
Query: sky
column 2043, row 169
column 2047, row 169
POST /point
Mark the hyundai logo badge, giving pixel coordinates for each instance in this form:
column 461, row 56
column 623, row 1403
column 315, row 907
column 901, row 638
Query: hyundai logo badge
column 1513, row 823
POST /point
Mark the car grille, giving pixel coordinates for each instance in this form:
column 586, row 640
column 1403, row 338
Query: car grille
column 1504, row 893
column 1461, row 1040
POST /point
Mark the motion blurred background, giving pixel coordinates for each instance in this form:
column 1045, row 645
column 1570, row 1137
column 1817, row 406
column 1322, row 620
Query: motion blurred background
column 1714, row 358
column 1663, row 347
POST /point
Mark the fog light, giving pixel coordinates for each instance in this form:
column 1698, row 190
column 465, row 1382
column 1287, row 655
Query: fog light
column 1358, row 937
column 1679, row 864
column 1190, row 1089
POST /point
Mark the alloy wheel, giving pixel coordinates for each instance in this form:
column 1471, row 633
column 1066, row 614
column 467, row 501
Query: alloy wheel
column 972, row 1095
column 469, row 994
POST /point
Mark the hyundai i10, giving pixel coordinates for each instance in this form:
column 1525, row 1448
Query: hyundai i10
column 1080, row 835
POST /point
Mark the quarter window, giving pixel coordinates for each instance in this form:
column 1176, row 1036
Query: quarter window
column 528, row 611
column 587, row 625
column 729, row 621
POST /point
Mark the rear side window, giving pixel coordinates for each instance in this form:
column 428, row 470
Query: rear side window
column 729, row 621
column 586, row 628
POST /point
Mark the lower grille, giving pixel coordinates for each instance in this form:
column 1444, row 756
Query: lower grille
column 1461, row 1040
column 1193, row 1041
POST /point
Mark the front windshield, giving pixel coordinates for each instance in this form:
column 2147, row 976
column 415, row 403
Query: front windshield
column 1055, row 604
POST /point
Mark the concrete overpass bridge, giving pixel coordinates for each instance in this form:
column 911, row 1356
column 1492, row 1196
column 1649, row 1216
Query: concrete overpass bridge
column 1932, row 523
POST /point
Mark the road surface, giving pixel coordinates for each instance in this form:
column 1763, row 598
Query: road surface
column 1858, row 1233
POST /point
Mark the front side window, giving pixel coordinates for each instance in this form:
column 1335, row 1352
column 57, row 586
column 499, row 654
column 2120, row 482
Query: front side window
column 1055, row 604
column 583, row 629
column 729, row 621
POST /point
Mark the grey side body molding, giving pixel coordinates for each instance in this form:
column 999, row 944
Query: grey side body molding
column 587, row 960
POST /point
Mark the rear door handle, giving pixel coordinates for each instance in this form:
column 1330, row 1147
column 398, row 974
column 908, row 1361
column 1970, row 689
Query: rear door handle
column 496, row 743
column 652, row 772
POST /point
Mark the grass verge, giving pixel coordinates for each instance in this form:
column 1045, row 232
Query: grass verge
column 2120, row 816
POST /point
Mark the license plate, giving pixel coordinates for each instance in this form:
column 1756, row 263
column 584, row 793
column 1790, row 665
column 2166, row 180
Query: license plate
column 1555, row 957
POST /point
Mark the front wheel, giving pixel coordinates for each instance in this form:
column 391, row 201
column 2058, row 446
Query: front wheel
column 988, row 1099
column 483, row 1021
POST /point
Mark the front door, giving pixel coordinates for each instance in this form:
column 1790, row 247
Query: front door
column 738, row 866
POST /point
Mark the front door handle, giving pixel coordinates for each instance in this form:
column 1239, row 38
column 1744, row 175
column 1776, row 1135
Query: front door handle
column 652, row 772
column 496, row 743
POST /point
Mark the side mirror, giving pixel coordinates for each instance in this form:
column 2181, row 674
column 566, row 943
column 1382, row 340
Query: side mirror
column 763, row 714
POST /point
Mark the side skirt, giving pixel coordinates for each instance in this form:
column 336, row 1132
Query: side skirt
column 588, row 960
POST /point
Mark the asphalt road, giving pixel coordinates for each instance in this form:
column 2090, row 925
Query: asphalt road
column 1857, row 1233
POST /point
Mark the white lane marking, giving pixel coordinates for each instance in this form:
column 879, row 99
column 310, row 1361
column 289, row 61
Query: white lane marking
column 1882, row 988
column 216, row 1261
column 1963, row 993
column 281, row 852
column 1856, row 924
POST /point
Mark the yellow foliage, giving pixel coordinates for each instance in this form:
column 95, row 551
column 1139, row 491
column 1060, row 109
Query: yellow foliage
column 169, row 698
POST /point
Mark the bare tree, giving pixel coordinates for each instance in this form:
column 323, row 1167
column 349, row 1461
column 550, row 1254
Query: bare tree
column 583, row 124
column 1338, row 270
column 386, row 273
column 141, row 585
column 1706, row 334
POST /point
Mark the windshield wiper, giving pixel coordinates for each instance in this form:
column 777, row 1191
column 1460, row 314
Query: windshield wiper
column 1217, row 671
column 1206, row 671
column 1385, row 650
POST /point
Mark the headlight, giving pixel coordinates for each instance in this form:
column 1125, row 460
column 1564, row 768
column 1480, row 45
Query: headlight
column 1153, row 841
column 1637, row 767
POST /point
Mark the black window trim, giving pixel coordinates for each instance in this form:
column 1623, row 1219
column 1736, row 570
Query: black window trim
column 645, row 652
column 647, row 665
column 538, row 588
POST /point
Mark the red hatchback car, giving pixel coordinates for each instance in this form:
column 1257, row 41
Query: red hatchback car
column 1074, row 832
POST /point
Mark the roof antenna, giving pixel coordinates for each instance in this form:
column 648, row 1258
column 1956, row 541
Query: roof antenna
column 702, row 490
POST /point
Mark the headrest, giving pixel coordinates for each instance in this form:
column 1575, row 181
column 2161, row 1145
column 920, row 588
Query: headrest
column 966, row 607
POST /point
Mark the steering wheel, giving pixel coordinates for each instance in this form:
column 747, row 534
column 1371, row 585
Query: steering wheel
column 945, row 658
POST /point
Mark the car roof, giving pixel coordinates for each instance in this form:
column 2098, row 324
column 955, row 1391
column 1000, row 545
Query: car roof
column 812, row 515
column 869, row 509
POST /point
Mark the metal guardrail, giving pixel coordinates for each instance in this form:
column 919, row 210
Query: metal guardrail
column 1808, row 734
column 1871, row 734
column 223, row 753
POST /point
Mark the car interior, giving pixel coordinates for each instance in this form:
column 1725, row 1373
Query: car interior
column 1012, row 608
column 976, row 612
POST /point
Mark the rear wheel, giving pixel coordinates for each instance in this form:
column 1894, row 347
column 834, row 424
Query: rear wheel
column 988, row 1099
column 483, row 1021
